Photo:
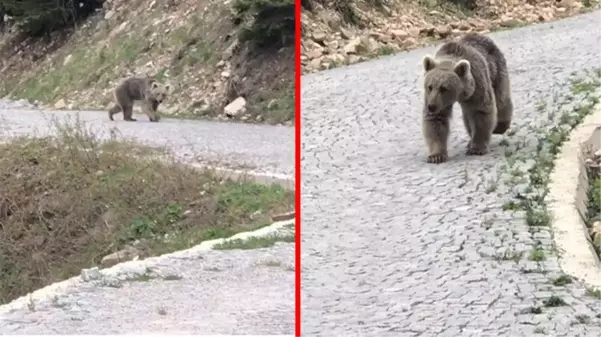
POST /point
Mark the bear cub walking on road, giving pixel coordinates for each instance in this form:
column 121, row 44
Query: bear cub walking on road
column 143, row 89
column 473, row 72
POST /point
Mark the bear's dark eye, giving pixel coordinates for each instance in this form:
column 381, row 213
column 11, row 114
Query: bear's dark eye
column 430, row 88
column 443, row 89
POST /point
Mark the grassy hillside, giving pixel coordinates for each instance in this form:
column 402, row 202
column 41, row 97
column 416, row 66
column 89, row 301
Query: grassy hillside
column 209, row 51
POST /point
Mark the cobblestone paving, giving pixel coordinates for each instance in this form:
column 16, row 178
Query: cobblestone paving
column 393, row 246
column 219, row 292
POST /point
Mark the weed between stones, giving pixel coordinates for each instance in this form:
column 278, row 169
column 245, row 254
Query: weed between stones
column 554, row 301
column 596, row 293
column 583, row 96
column 562, row 280
column 537, row 254
column 529, row 186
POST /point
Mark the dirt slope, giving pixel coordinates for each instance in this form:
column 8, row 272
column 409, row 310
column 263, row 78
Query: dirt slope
column 345, row 32
column 190, row 44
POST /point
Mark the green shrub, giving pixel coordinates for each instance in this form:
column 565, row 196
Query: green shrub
column 273, row 21
column 36, row 17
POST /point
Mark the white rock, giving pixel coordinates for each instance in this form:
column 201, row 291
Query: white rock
column 60, row 104
column 399, row 34
column 352, row 46
column 313, row 54
column 88, row 275
column 109, row 15
column 126, row 254
column 596, row 229
column 238, row 106
column 67, row 59
column 319, row 36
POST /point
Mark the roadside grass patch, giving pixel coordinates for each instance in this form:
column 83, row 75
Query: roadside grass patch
column 87, row 66
column 554, row 301
column 565, row 112
column 537, row 254
column 277, row 106
column 583, row 319
column 70, row 199
column 253, row 242
column 596, row 293
column 562, row 280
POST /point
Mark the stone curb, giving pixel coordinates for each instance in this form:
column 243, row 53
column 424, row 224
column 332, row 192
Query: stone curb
column 263, row 178
column 139, row 267
column 567, row 203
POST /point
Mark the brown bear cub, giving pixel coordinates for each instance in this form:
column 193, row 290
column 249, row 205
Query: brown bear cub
column 473, row 72
column 143, row 89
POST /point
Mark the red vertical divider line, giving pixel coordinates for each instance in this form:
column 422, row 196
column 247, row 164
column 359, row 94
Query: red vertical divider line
column 297, row 164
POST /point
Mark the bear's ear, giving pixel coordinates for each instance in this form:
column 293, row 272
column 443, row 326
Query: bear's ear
column 154, row 85
column 462, row 68
column 167, row 88
column 429, row 63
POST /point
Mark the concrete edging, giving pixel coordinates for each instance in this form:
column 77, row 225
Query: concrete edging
column 567, row 202
column 262, row 178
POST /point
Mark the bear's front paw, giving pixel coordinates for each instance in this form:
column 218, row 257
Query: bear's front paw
column 476, row 151
column 437, row 158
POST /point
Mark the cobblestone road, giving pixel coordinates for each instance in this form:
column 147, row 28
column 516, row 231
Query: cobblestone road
column 393, row 246
column 210, row 292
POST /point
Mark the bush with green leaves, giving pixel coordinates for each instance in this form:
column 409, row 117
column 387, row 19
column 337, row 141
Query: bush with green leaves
column 36, row 17
column 272, row 21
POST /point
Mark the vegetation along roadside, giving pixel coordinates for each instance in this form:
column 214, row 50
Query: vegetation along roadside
column 69, row 201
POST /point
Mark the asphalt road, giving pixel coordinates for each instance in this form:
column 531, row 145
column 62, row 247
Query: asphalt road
column 201, row 293
column 263, row 148
column 393, row 246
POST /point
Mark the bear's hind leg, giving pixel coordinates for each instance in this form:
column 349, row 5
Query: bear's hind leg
column 467, row 122
column 128, row 112
column 504, row 106
column 115, row 109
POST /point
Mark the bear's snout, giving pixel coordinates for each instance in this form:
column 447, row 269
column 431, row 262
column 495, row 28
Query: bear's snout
column 431, row 107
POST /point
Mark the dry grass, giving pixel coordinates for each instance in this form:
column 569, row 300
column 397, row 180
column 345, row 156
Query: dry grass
column 68, row 200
